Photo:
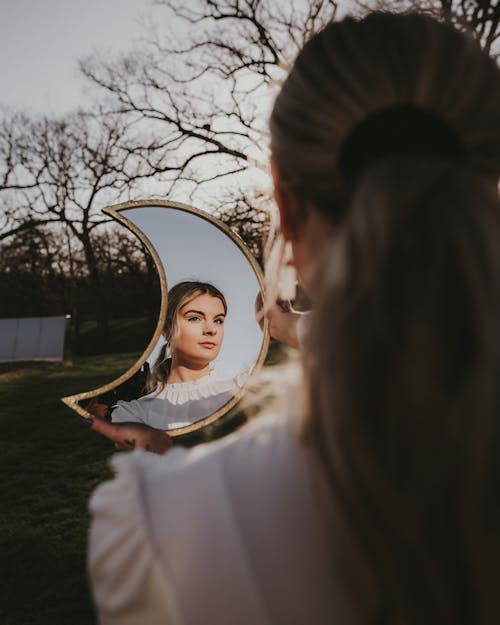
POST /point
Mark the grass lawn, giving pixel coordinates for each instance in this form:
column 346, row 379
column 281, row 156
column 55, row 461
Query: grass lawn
column 50, row 463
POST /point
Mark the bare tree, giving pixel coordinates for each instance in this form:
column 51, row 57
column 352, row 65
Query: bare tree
column 31, row 272
column 248, row 216
column 39, row 275
column 78, row 165
column 123, row 258
column 202, row 88
column 18, row 183
column 479, row 17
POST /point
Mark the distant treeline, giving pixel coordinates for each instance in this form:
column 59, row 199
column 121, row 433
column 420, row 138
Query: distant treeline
column 42, row 275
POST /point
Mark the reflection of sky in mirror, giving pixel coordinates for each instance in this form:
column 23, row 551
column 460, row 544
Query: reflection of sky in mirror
column 192, row 248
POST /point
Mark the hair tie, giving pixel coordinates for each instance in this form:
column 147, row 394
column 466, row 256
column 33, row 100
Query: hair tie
column 398, row 130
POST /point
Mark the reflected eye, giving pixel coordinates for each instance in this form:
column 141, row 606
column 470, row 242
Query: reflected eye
column 194, row 318
column 220, row 320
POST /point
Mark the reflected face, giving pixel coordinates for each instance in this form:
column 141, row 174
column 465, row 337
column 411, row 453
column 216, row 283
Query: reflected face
column 200, row 330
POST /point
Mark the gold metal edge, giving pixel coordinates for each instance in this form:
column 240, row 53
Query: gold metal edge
column 72, row 400
column 114, row 211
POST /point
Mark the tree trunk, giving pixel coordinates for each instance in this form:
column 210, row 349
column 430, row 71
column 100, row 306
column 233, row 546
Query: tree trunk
column 95, row 279
column 153, row 285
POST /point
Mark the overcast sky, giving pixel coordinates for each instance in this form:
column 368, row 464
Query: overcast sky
column 41, row 41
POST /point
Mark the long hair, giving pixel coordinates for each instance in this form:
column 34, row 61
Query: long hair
column 178, row 296
column 403, row 362
column 404, row 372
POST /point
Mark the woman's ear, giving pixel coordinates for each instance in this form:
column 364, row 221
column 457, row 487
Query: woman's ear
column 291, row 218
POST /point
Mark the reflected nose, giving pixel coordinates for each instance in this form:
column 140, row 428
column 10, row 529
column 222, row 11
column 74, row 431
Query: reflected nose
column 210, row 328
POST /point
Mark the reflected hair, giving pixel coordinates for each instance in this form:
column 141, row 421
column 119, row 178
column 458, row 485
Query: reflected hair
column 178, row 296
column 403, row 358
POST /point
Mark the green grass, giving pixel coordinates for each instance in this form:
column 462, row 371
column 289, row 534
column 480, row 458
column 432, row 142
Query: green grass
column 50, row 463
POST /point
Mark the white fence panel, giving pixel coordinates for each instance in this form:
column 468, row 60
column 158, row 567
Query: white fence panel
column 32, row 338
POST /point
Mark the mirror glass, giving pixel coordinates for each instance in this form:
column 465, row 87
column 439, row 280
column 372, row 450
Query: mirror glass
column 188, row 246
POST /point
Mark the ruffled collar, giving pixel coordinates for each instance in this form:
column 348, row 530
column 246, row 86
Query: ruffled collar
column 192, row 384
column 206, row 386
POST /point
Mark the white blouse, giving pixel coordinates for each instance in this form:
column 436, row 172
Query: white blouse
column 181, row 403
column 231, row 532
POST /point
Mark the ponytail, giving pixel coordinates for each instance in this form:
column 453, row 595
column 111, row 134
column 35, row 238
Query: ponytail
column 404, row 402
column 159, row 372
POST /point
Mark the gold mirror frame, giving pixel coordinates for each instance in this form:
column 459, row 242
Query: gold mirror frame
column 114, row 211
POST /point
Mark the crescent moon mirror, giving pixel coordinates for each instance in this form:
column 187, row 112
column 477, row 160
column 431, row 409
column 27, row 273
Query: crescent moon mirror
column 207, row 342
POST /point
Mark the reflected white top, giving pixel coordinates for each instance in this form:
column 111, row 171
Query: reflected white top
column 181, row 403
column 232, row 532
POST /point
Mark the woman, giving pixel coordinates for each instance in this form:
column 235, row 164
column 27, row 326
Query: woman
column 183, row 386
column 371, row 495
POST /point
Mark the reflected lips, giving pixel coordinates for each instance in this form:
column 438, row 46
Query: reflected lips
column 208, row 344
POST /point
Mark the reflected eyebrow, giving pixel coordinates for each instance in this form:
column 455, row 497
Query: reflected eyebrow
column 197, row 312
column 202, row 314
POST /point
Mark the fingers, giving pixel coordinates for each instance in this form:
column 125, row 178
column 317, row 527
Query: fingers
column 160, row 445
column 109, row 430
column 129, row 436
column 124, row 446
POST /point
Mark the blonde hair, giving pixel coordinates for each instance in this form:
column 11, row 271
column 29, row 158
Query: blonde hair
column 178, row 296
column 403, row 361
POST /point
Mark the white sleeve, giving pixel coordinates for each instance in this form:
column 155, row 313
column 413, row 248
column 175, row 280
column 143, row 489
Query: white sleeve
column 164, row 545
column 128, row 411
column 129, row 585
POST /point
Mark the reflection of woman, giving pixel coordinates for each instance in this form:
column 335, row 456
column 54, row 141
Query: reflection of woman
column 375, row 498
column 183, row 386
